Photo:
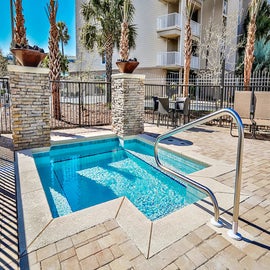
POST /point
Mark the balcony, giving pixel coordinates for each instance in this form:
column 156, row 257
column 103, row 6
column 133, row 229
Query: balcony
column 169, row 59
column 195, row 28
column 174, row 60
column 168, row 26
column 169, row 1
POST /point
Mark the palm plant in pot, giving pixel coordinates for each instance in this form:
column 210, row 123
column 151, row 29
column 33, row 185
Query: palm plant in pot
column 128, row 32
column 25, row 54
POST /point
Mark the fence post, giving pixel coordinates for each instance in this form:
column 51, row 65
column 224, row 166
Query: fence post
column 80, row 111
column 30, row 107
column 128, row 104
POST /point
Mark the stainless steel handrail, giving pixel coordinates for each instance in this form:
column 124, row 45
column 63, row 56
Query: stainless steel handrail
column 238, row 176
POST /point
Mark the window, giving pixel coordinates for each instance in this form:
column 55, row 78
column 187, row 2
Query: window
column 225, row 7
column 103, row 58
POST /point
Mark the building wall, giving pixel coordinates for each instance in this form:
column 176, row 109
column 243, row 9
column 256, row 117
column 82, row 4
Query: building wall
column 148, row 42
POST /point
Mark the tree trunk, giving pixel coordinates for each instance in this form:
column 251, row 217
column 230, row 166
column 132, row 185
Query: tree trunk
column 249, row 52
column 109, row 53
column 188, row 51
column 54, row 57
column 19, row 32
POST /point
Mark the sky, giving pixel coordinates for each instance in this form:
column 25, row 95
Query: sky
column 37, row 23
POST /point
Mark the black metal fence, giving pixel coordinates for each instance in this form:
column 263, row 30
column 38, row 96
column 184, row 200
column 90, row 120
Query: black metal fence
column 5, row 119
column 81, row 104
column 84, row 104
column 204, row 99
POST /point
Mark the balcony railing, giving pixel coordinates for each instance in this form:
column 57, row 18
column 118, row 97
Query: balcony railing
column 172, row 20
column 168, row 59
column 173, row 59
column 195, row 28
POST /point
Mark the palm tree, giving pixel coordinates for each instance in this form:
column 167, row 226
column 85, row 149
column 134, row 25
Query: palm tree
column 19, row 31
column 102, row 28
column 63, row 35
column 128, row 12
column 249, row 50
column 54, row 58
column 187, row 46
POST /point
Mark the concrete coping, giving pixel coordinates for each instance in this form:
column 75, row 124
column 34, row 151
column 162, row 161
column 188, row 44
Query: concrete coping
column 25, row 69
column 128, row 76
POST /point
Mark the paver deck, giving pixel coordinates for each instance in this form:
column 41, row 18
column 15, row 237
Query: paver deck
column 108, row 246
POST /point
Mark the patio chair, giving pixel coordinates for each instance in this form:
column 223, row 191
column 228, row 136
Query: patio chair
column 155, row 106
column 243, row 106
column 164, row 111
column 262, row 110
column 182, row 109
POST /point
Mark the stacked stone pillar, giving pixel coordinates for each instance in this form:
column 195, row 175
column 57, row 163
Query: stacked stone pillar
column 30, row 108
column 127, row 104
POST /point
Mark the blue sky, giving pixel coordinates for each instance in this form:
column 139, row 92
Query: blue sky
column 37, row 23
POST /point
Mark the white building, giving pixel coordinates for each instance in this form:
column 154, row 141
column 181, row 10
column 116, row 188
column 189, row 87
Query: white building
column 160, row 40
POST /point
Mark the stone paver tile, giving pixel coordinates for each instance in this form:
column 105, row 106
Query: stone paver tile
column 171, row 266
column 36, row 266
column 207, row 250
column 71, row 264
column 106, row 241
column 184, row 263
column 265, row 260
column 194, row 238
column 196, row 256
column 154, row 263
column 79, row 238
column 64, row 244
column 95, row 232
column 100, row 229
column 88, row 250
column 204, row 232
column 251, row 230
column 89, row 263
column 120, row 264
column 104, row 256
column 176, row 249
column 51, row 263
column 68, row 253
column 111, row 224
column 254, row 251
column 228, row 260
column 116, row 251
column 138, row 260
column 249, row 263
column 46, row 252
column 118, row 235
column 218, row 242
column 105, row 267
column 129, row 250
column 235, row 252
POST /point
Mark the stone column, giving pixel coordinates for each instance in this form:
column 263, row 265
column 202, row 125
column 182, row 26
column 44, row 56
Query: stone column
column 127, row 104
column 30, row 109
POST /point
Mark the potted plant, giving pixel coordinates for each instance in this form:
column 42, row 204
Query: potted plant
column 126, row 64
column 26, row 55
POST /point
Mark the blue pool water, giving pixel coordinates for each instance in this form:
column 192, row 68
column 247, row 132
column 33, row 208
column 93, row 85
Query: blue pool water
column 79, row 175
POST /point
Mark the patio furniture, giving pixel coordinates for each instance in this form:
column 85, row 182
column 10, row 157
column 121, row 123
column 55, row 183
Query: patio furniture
column 182, row 109
column 164, row 111
column 244, row 107
column 155, row 106
column 262, row 110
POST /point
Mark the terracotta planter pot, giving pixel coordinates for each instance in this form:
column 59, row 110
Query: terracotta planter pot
column 127, row 67
column 28, row 57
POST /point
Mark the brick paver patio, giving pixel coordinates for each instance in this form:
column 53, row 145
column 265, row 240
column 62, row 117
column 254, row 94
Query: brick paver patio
column 107, row 246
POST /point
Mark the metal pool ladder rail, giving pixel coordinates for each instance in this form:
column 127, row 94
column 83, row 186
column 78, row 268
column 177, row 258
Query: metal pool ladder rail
column 233, row 233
